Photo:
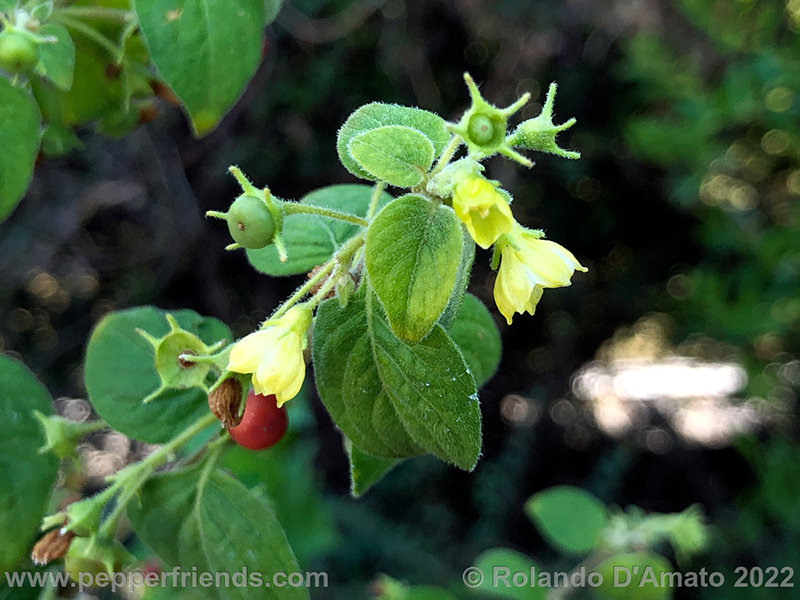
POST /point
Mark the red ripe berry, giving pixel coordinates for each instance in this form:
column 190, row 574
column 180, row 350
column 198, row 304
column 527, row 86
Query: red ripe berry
column 263, row 423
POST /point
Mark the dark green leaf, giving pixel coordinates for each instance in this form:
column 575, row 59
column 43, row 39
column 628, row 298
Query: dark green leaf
column 569, row 518
column 311, row 239
column 206, row 51
column 237, row 531
column 366, row 470
column 28, row 476
column 412, row 255
column 120, row 372
column 395, row 154
column 380, row 390
column 375, row 115
column 57, row 61
column 349, row 383
column 159, row 511
column 475, row 333
column 20, row 132
column 497, row 566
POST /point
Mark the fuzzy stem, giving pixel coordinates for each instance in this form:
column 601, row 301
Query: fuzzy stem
column 291, row 208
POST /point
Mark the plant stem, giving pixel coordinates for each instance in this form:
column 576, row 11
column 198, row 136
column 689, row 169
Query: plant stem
column 447, row 154
column 376, row 196
column 291, row 208
column 132, row 477
column 89, row 33
column 303, row 289
column 95, row 12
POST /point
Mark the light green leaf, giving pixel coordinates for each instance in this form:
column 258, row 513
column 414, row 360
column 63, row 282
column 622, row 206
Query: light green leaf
column 20, row 133
column 349, row 383
column 462, row 280
column 120, row 372
column 375, row 115
column 271, row 9
column 310, row 239
column 57, row 61
column 206, row 51
column 497, row 566
column 238, row 530
column 569, row 518
column 413, row 252
column 395, row 154
column 631, row 576
column 366, row 470
column 476, row 335
column 6, row 6
column 28, row 476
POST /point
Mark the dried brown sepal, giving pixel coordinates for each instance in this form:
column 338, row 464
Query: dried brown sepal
column 225, row 401
column 52, row 545
column 161, row 90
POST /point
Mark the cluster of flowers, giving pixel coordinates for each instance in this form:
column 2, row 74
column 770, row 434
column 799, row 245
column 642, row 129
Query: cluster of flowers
column 526, row 262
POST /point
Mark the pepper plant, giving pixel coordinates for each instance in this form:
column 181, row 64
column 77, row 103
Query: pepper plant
column 399, row 348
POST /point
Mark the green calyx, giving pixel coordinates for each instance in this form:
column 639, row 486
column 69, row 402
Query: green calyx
column 19, row 50
column 539, row 133
column 483, row 126
column 254, row 218
column 90, row 555
column 62, row 435
column 173, row 359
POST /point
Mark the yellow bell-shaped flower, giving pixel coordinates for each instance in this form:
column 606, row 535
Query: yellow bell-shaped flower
column 274, row 355
column 483, row 210
column 528, row 265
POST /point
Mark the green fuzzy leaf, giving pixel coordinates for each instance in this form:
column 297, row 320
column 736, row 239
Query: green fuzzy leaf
column 20, row 133
column 462, row 280
column 57, row 61
column 207, row 526
column 475, row 333
column 569, row 518
column 375, row 115
column 120, row 372
column 498, row 566
column 206, row 51
column 395, row 154
column 28, row 476
column 311, row 239
column 350, row 385
column 382, row 392
column 6, row 6
column 413, row 252
column 366, row 470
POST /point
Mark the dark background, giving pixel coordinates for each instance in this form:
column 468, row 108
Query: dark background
column 684, row 206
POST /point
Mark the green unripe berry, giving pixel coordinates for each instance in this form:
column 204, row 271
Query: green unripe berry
column 250, row 222
column 485, row 130
column 18, row 52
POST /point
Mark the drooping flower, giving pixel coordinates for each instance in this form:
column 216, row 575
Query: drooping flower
column 274, row 355
column 483, row 209
column 528, row 264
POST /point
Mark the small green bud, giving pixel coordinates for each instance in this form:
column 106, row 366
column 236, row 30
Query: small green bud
column 483, row 130
column 250, row 223
column 62, row 435
column 539, row 133
column 19, row 51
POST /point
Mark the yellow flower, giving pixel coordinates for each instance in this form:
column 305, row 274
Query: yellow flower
column 528, row 265
column 483, row 210
column 275, row 355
